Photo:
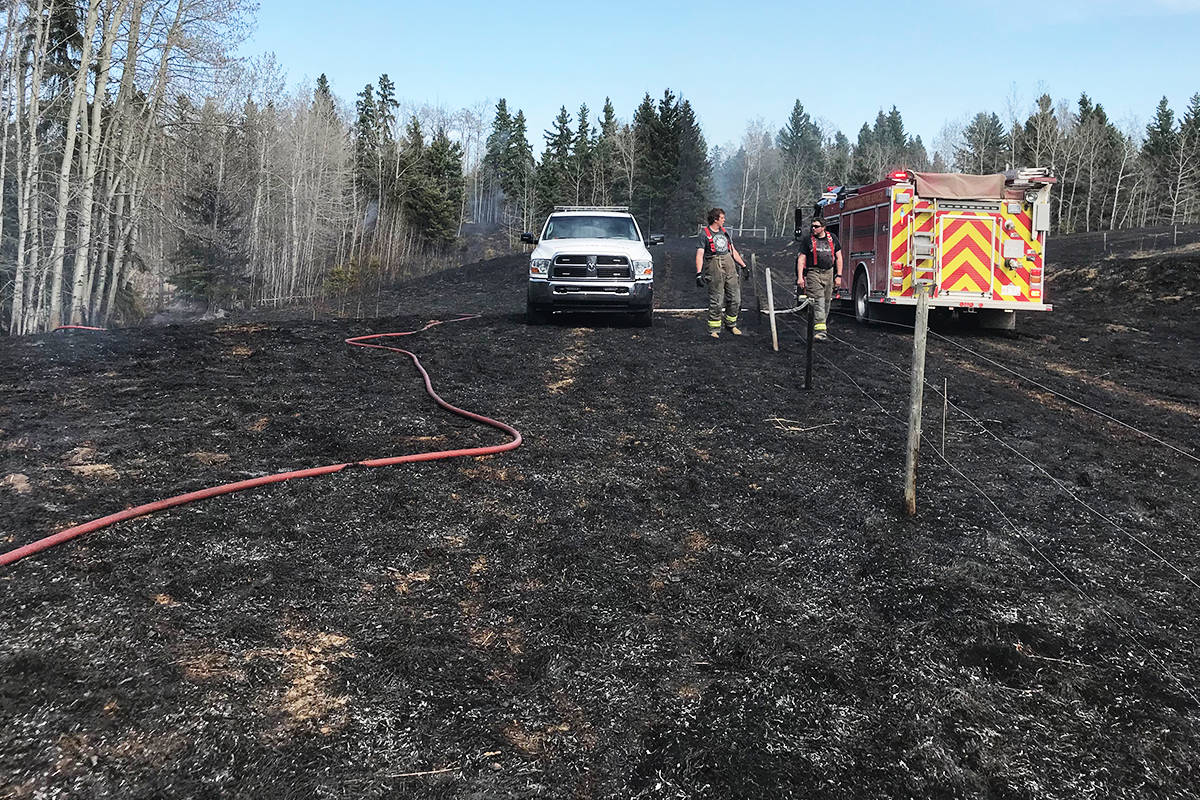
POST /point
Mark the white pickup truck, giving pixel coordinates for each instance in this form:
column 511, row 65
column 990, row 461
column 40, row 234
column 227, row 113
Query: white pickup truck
column 590, row 258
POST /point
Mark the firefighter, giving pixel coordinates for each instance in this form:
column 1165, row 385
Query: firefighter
column 715, row 268
column 818, row 269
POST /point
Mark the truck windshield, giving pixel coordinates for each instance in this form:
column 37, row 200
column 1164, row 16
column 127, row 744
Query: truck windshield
column 576, row 227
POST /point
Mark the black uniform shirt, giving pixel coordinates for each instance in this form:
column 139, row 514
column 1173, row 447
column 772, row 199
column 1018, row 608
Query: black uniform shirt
column 825, row 254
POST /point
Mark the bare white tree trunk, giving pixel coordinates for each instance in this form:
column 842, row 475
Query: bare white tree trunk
column 81, row 276
column 78, row 97
column 25, row 304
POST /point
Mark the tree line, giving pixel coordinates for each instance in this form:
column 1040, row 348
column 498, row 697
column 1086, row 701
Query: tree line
column 141, row 162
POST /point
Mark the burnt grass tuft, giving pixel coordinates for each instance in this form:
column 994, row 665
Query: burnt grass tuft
column 692, row 581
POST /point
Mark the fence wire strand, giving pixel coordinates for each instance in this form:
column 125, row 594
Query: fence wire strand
column 1009, row 522
column 1095, row 604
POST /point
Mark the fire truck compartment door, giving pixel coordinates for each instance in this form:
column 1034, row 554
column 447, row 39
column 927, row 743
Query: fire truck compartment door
column 967, row 249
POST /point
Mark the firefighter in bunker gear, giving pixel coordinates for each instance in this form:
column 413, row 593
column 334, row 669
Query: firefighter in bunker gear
column 717, row 261
column 818, row 270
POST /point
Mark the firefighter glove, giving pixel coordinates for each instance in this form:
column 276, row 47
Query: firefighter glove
column 701, row 281
column 801, row 294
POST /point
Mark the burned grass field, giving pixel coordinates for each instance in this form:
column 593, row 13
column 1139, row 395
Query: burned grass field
column 692, row 580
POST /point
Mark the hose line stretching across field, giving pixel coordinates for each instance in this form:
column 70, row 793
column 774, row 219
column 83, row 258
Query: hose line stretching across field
column 228, row 488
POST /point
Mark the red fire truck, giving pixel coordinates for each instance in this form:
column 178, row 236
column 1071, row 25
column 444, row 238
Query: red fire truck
column 978, row 242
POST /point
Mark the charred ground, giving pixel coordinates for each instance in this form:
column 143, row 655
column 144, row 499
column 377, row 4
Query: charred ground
column 692, row 580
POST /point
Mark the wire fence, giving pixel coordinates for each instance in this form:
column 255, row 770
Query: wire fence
column 783, row 288
column 1143, row 242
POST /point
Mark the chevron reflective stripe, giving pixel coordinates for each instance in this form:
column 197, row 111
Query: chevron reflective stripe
column 967, row 254
column 1023, row 284
column 900, row 224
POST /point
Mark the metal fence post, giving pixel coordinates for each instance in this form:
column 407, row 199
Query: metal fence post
column 812, row 322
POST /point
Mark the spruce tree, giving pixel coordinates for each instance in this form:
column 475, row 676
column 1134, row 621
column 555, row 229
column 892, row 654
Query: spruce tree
column 366, row 139
column 582, row 146
column 604, row 157
column 553, row 172
column 693, row 183
column 210, row 259
column 644, row 202
column 443, row 160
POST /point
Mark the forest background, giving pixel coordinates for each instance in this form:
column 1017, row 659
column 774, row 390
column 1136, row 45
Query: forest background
column 143, row 163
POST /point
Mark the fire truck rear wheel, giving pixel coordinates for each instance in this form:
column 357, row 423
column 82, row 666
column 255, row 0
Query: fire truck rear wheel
column 862, row 309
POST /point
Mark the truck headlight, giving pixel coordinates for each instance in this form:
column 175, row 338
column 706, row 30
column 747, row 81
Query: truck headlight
column 539, row 266
column 643, row 269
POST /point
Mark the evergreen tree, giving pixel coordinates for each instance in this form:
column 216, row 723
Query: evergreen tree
column 838, row 158
column 984, row 147
column 496, row 147
column 554, row 170
column 1039, row 138
column 863, row 164
column 644, row 129
column 1189, row 156
column 210, row 259
column 582, row 154
column 323, row 103
column 446, row 187
column 799, row 140
column 366, row 139
column 693, row 181
column 604, row 157
column 385, row 109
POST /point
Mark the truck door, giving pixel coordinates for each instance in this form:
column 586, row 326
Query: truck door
column 967, row 253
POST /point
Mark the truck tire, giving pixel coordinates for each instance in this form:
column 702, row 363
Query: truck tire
column 535, row 315
column 863, row 313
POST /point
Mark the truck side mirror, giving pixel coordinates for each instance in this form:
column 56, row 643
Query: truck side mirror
column 656, row 238
column 527, row 238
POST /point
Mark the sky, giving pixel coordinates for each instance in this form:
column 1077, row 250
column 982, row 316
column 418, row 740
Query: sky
column 937, row 61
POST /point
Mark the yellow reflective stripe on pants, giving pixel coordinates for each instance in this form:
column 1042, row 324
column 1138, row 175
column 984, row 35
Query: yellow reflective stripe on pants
column 820, row 326
column 714, row 323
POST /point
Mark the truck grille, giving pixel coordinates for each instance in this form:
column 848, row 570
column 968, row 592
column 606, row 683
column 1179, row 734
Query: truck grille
column 586, row 267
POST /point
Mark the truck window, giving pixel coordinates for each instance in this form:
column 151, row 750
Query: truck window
column 576, row 227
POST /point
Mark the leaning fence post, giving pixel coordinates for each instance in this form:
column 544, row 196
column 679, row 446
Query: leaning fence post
column 771, row 310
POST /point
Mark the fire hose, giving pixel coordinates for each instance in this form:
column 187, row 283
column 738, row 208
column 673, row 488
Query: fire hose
column 228, row 488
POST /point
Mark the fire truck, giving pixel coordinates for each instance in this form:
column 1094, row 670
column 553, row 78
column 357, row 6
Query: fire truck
column 977, row 241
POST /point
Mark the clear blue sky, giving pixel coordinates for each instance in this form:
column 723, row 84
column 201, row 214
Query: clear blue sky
column 937, row 60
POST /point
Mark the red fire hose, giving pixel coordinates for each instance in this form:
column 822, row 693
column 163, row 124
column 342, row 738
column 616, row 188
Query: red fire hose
column 228, row 488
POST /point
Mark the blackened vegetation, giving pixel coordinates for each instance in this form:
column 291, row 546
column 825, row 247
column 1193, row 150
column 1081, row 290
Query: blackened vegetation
column 692, row 580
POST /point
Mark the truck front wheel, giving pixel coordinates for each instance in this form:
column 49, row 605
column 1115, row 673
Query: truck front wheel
column 535, row 315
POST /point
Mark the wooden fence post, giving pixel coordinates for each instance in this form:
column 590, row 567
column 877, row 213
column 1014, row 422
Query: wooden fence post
column 771, row 310
column 916, row 393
